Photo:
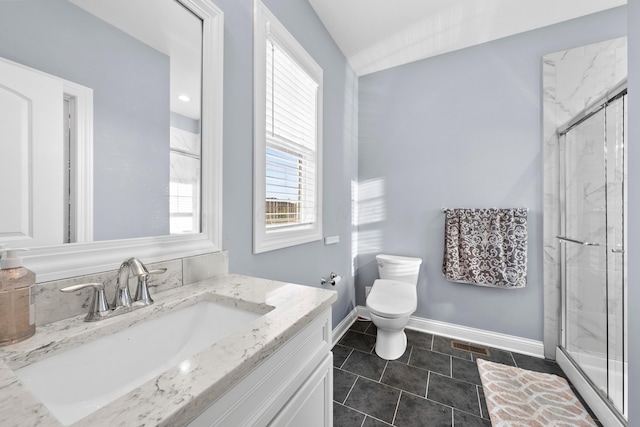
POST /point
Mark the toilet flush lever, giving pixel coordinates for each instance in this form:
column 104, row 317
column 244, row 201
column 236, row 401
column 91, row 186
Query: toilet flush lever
column 332, row 280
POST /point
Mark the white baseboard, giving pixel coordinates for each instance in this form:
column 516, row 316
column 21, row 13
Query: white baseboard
column 604, row 414
column 343, row 326
column 478, row 336
column 363, row 312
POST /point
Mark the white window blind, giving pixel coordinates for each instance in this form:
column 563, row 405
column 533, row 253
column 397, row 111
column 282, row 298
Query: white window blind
column 291, row 141
column 184, row 181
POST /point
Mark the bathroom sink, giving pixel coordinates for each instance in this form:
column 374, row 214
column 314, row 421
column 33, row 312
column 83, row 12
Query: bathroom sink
column 74, row 383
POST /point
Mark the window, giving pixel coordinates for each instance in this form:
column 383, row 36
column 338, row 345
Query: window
column 288, row 143
column 184, row 178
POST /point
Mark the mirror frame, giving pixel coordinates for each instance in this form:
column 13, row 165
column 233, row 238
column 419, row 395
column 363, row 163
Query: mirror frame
column 70, row 260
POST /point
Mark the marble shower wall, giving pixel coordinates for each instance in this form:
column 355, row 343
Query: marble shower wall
column 53, row 305
column 572, row 80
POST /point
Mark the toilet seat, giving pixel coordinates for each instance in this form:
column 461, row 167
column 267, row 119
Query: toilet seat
column 391, row 298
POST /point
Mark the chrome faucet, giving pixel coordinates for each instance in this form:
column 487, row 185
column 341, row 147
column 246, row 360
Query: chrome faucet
column 122, row 298
column 122, row 301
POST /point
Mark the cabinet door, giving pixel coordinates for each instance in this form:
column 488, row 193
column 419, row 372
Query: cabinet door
column 312, row 404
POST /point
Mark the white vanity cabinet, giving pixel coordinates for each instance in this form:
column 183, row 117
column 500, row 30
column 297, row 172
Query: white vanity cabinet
column 292, row 387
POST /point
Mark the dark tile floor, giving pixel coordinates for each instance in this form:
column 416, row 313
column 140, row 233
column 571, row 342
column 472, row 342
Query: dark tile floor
column 430, row 385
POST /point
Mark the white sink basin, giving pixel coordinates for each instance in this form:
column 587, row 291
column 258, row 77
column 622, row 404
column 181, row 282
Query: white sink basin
column 79, row 381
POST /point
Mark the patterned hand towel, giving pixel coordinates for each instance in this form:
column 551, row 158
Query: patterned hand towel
column 486, row 247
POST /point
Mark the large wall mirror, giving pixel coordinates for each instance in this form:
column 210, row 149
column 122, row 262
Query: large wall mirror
column 113, row 134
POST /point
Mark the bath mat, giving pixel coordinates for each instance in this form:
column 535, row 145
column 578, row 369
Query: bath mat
column 517, row 397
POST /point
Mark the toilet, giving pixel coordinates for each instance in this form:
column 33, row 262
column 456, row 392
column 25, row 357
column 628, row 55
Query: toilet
column 393, row 298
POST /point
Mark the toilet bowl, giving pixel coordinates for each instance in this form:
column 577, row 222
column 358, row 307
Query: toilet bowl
column 392, row 300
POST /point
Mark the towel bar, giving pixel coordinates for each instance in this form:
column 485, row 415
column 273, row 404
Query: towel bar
column 579, row 242
column 444, row 210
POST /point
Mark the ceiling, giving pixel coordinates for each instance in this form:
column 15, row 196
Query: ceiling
column 378, row 34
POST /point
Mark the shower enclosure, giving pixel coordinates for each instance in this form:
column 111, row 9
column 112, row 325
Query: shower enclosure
column 593, row 242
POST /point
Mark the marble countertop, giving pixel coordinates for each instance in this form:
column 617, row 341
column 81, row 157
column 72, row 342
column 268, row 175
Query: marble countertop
column 174, row 397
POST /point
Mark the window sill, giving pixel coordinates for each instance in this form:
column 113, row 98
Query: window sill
column 270, row 240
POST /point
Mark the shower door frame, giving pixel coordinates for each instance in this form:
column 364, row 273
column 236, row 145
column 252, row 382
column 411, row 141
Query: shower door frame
column 563, row 356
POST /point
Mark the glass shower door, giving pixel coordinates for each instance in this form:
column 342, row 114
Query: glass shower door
column 584, row 248
column 592, row 251
column 616, row 255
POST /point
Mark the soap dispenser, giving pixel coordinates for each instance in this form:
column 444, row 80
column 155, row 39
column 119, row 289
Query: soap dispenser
column 17, row 304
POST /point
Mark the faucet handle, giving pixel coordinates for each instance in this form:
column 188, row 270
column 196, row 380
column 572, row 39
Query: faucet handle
column 99, row 306
column 142, row 291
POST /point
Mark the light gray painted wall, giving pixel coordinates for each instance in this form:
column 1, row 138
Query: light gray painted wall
column 633, row 231
column 131, row 114
column 304, row 264
column 461, row 130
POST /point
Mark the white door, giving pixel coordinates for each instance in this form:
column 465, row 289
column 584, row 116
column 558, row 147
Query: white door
column 31, row 157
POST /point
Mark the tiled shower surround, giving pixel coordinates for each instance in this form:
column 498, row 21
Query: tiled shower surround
column 599, row 67
column 593, row 208
column 53, row 305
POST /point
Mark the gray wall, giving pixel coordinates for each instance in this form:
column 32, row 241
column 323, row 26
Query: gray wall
column 306, row 263
column 633, row 207
column 131, row 113
column 461, row 130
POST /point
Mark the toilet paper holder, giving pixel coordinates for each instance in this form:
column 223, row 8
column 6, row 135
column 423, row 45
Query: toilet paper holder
column 332, row 280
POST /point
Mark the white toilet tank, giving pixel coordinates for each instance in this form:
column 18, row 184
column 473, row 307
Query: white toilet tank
column 400, row 268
